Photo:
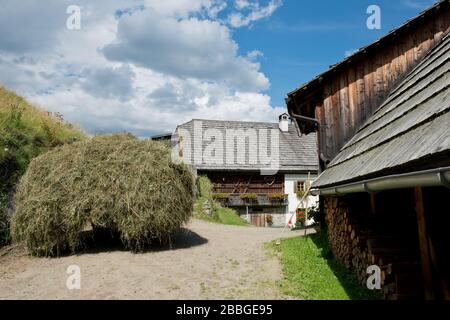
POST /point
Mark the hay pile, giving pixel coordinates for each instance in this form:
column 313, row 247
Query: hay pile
column 114, row 182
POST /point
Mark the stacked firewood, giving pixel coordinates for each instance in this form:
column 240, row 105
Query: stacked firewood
column 363, row 240
column 338, row 235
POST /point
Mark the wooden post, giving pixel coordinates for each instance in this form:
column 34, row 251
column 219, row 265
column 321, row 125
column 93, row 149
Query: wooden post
column 424, row 247
column 373, row 203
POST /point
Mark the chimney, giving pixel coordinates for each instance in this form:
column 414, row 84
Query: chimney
column 284, row 122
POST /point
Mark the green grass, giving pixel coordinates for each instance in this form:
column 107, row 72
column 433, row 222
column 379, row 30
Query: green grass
column 312, row 273
column 230, row 217
column 219, row 214
column 26, row 131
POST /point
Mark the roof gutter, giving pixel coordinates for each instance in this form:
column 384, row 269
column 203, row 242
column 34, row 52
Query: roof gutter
column 428, row 178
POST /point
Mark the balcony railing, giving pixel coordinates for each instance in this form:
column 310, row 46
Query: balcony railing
column 243, row 200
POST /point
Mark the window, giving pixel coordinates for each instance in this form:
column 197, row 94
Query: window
column 300, row 188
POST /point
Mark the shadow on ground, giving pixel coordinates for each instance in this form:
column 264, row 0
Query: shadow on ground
column 346, row 277
column 107, row 241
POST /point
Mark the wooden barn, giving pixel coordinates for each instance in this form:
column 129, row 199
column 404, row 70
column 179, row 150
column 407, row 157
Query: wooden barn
column 229, row 153
column 383, row 123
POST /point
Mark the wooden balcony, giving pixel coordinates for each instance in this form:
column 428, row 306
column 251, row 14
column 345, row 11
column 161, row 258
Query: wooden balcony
column 261, row 200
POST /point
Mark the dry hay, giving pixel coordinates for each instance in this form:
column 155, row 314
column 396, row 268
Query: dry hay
column 115, row 182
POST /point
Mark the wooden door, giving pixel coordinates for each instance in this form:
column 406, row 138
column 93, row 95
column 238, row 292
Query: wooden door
column 258, row 220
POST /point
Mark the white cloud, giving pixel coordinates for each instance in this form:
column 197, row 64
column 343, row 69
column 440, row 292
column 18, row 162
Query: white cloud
column 254, row 54
column 166, row 62
column 254, row 12
column 161, row 110
column 188, row 48
column 109, row 82
column 30, row 27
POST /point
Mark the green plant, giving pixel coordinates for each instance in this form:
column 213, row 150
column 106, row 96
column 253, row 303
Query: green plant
column 311, row 272
column 205, row 187
column 229, row 216
column 314, row 213
column 220, row 196
column 117, row 182
column 249, row 196
column 301, row 214
column 276, row 196
column 218, row 213
column 25, row 133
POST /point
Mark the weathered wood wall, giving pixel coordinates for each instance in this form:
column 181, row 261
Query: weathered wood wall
column 353, row 95
column 232, row 182
column 349, row 95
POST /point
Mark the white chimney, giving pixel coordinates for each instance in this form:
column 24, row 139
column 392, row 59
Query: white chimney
column 284, row 122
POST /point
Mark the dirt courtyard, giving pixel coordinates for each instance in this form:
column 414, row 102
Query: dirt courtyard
column 209, row 261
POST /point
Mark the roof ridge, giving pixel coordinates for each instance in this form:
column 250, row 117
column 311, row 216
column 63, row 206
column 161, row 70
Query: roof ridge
column 233, row 121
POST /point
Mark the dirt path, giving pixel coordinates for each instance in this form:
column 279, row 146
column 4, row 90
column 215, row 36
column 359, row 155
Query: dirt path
column 210, row 261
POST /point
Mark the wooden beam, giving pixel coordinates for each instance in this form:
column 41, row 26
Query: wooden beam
column 424, row 246
column 373, row 203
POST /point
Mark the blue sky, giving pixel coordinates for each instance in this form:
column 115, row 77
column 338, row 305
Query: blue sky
column 303, row 38
column 146, row 66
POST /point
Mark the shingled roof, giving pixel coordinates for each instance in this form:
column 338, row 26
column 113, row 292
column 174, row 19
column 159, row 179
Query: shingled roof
column 297, row 153
column 411, row 129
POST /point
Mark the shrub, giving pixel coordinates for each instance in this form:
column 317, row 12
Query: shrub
column 111, row 182
column 204, row 186
column 314, row 213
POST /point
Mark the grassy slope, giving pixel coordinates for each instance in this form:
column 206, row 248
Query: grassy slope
column 229, row 216
column 311, row 272
column 25, row 132
column 219, row 213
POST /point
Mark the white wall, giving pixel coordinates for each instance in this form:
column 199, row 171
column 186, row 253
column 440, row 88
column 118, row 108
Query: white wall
column 294, row 201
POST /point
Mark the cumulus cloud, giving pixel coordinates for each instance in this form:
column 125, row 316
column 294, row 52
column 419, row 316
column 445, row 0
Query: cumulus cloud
column 109, row 82
column 30, row 26
column 189, row 48
column 161, row 110
column 142, row 66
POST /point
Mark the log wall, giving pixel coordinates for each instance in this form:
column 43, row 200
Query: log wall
column 359, row 237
